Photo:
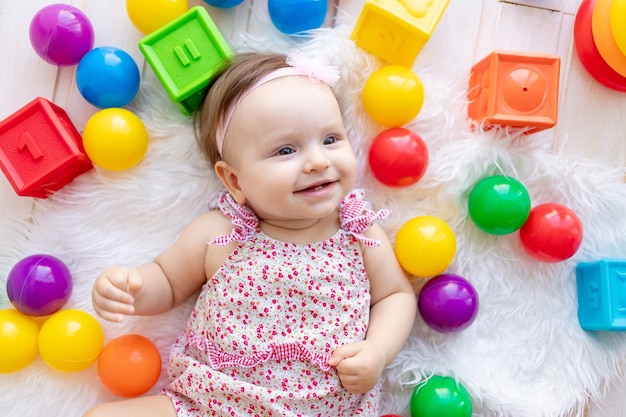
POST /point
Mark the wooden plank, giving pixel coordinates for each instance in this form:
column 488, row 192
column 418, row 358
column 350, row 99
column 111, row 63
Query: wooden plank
column 24, row 77
column 541, row 4
column 459, row 25
column 591, row 113
column 566, row 6
column 527, row 29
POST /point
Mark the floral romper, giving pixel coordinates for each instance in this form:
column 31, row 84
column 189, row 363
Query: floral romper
column 259, row 338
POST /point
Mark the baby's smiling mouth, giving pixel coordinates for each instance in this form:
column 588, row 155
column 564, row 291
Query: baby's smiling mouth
column 317, row 187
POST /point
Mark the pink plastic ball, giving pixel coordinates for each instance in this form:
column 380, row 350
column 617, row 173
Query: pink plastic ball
column 61, row 34
column 398, row 157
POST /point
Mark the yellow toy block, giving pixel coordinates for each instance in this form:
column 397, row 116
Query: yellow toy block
column 396, row 30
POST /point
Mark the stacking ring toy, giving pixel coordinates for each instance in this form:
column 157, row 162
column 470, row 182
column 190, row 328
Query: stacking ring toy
column 600, row 26
column 588, row 52
column 618, row 17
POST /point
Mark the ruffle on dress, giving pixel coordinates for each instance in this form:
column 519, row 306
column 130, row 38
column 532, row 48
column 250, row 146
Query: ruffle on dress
column 292, row 351
column 355, row 216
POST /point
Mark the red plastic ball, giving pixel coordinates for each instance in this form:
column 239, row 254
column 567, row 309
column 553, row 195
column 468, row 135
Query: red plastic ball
column 398, row 157
column 552, row 232
column 129, row 365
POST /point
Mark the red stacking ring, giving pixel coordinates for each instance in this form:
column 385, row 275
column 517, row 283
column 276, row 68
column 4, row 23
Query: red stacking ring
column 588, row 52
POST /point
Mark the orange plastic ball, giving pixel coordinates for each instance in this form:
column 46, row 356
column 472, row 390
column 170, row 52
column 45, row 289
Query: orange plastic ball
column 129, row 365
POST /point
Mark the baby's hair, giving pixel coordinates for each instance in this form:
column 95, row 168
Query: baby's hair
column 236, row 77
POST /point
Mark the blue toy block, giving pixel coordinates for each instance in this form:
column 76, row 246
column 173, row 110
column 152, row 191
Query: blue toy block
column 602, row 294
column 185, row 55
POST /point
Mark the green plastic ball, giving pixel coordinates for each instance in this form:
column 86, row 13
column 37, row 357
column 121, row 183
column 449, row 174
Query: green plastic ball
column 440, row 396
column 499, row 204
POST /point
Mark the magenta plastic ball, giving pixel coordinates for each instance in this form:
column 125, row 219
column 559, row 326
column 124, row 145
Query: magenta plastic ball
column 448, row 303
column 39, row 285
column 61, row 34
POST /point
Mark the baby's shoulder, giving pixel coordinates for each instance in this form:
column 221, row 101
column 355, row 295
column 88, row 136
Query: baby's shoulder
column 210, row 224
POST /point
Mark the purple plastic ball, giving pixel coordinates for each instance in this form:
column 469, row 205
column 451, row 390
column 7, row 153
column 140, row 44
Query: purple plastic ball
column 39, row 285
column 448, row 303
column 61, row 34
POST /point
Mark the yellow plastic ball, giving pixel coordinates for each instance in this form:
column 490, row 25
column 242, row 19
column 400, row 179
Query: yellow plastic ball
column 425, row 246
column 149, row 15
column 115, row 139
column 18, row 340
column 393, row 96
column 70, row 340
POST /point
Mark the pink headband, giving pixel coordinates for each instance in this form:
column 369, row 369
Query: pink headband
column 299, row 64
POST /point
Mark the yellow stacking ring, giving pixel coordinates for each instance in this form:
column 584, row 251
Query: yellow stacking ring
column 618, row 23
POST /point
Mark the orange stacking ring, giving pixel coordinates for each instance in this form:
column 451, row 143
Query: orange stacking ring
column 603, row 36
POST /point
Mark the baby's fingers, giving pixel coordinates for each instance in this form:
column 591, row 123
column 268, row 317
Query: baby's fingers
column 111, row 309
column 110, row 296
column 134, row 282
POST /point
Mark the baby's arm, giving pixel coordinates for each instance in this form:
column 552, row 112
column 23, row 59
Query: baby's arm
column 169, row 280
column 392, row 314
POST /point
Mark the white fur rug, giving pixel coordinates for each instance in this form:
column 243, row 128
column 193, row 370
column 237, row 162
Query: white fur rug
column 524, row 356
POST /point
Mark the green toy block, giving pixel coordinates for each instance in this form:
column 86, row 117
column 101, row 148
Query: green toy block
column 185, row 55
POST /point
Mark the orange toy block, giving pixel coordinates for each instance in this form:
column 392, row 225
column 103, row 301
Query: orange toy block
column 515, row 89
column 40, row 149
column 396, row 30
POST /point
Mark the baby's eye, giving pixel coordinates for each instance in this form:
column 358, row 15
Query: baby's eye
column 285, row 151
column 330, row 140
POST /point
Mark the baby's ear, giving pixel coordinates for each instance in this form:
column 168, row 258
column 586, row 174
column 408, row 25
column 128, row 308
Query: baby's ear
column 230, row 178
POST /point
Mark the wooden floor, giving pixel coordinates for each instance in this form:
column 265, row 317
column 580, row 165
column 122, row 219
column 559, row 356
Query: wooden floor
column 588, row 112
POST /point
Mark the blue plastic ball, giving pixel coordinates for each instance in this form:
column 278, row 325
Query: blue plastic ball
column 293, row 16
column 223, row 4
column 107, row 77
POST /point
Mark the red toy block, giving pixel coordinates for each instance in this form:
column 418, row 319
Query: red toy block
column 40, row 149
column 515, row 89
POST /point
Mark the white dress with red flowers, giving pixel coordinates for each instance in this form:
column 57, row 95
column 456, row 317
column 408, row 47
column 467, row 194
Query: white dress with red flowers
column 259, row 339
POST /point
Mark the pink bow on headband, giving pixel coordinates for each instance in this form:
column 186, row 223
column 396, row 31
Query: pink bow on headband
column 313, row 69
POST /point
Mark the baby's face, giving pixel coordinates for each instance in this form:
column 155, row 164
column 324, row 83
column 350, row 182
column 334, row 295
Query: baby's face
column 288, row 143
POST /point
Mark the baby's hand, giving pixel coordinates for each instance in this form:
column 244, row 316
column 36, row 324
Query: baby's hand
column 113, row 293
column 359, row 365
